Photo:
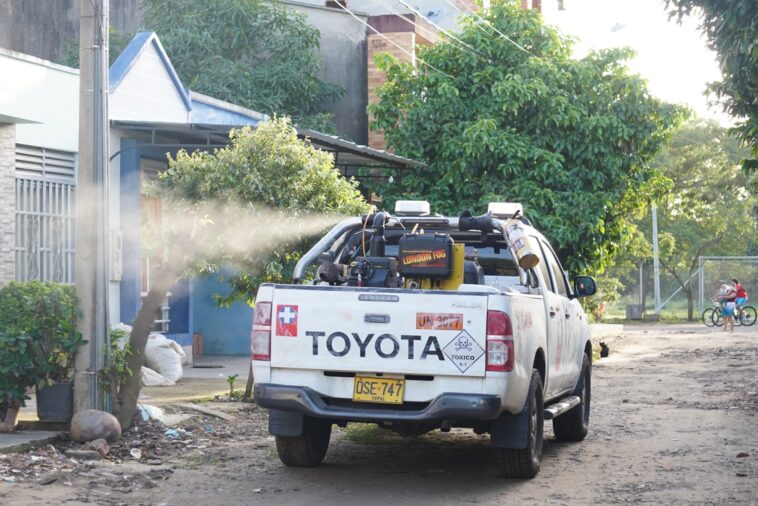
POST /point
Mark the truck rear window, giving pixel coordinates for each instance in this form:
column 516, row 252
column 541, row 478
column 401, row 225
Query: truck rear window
column 496, row 261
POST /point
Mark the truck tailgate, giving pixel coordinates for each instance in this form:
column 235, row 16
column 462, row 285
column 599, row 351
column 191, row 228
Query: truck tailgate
column 369, row 330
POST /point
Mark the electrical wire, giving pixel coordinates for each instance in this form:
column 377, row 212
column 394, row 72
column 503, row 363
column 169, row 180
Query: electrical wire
column 96, row 9
column 422, row 27
column 401, row 48
column 448, row 34
column 476, row 14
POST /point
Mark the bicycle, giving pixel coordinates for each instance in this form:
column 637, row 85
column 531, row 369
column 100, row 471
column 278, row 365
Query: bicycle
column 707, row 316
column 747, row 318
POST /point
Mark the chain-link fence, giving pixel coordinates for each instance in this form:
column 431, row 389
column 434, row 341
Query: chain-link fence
column 717, row 270
column 637, row 292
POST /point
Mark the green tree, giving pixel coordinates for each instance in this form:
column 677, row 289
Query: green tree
column 253, row 53
column 116, row 43
column 707, row 211
column 731, row 27
column 267, row 167
column 267, row 191
column 569, row 138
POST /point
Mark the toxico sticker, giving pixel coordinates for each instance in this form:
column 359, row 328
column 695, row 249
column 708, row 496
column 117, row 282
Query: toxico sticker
column 463, row 351
column 439, row 321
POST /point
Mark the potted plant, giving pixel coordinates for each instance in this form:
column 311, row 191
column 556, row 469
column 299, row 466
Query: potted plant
column 16, row 376
column 46, row 312
column 55, row 387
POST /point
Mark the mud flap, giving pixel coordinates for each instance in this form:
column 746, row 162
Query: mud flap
column 285, row 423
column 511, row 431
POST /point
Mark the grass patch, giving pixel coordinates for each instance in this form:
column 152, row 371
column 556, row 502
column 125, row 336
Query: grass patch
column 675, row 311
column 370, row 433
column 665, row 318
column 200, row 460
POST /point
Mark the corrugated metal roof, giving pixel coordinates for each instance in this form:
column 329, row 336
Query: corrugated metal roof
column 347, row 154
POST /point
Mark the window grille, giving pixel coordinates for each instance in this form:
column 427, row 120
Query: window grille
column 45, row 214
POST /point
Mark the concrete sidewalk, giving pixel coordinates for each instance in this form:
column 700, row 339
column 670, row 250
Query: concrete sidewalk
column 202, row 381
column 20, row 440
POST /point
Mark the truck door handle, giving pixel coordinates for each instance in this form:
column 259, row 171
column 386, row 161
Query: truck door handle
column 552, row 313
column 567, row 315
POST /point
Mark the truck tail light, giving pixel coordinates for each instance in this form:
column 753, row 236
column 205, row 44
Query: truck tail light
column 499, row 342
column 260, row 337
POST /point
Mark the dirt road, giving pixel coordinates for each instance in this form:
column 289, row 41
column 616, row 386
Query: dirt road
column 673, row 413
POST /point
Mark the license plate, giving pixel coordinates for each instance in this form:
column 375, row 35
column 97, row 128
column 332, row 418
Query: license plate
column 381, row 390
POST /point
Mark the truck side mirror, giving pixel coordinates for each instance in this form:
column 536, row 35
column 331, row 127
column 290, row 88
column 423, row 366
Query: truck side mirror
column 584, row 286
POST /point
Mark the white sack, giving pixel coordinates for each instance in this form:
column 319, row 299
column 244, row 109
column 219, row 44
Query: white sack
column 152, row 378
column 164, row 356
column 146, row 412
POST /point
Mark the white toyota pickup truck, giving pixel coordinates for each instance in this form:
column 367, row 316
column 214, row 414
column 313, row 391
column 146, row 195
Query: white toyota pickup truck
column 420, row 322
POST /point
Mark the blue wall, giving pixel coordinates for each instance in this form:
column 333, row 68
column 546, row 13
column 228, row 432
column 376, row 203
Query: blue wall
column 180, row 312
column 180, row 328
column 226, row 331
column 130, row 227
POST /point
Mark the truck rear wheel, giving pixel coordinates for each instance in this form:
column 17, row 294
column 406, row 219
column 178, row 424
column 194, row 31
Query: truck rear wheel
column 525, row 463
column 308, row 449
column 574, row 424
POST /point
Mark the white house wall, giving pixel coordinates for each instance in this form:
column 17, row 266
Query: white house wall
column 129, row 101
column 42, row 98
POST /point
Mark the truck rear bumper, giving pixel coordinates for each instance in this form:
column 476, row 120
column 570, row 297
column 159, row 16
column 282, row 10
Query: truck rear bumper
column 448, row 406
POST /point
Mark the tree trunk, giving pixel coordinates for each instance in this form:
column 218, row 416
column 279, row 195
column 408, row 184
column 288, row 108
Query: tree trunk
column 249, row 386
column 690, row 303
column 125, row 406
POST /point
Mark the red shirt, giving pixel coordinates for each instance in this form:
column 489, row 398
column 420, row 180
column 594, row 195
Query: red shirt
column 741, row 293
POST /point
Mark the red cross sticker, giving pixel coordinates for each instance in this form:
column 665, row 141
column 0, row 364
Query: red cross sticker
column 286, row 320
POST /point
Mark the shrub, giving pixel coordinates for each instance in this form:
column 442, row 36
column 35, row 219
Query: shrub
column 17, row 357
column 113, row 377
column 608, row 293
column 42, row 316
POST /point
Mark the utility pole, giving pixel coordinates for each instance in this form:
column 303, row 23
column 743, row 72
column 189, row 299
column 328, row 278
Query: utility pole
column 91, row 261
column 656, row 262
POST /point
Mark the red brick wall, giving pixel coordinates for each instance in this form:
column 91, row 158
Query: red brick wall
column 378, row 44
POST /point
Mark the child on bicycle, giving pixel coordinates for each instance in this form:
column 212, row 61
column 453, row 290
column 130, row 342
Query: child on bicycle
column 741, row 297
column 727, row 296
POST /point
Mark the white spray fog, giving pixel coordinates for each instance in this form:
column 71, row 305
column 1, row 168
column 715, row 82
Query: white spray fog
column 189, row 238
column 215, row 233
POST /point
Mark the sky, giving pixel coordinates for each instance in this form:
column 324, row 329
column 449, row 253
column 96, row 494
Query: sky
column 672, row 57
